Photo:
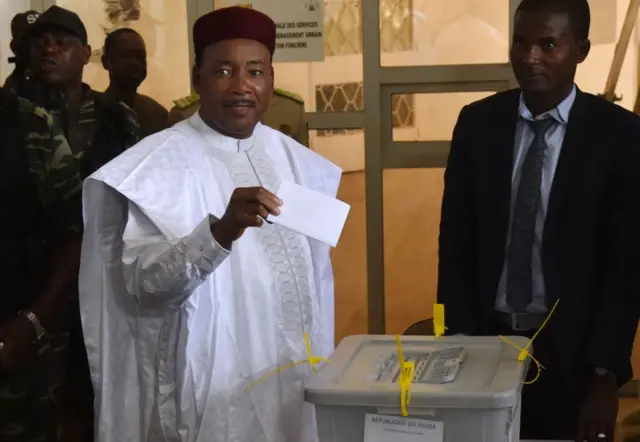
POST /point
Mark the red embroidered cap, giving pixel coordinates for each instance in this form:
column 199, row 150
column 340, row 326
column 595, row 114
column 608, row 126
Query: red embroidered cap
column 231, row 23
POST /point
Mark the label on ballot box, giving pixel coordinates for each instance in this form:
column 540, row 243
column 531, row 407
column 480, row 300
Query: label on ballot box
column 380, row 428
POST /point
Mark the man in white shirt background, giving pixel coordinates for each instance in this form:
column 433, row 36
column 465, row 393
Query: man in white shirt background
column 188, row 296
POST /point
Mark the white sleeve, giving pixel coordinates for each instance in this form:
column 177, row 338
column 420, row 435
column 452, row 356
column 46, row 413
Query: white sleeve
column 161, row 273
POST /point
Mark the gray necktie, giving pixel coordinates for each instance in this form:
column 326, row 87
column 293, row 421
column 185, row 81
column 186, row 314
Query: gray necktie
column 520, row 250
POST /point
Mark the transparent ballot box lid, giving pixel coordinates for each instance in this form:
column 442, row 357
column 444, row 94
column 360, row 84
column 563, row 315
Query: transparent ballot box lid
column 463, row 372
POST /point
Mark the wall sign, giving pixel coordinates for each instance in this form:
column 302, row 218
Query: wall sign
column 300, row 27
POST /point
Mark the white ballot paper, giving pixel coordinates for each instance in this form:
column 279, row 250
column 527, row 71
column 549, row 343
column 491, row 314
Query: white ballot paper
column 379, row 428
column 310, row 213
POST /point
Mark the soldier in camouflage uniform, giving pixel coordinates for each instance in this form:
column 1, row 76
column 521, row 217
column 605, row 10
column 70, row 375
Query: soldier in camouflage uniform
column 40, row 220
column 285, row 113
column 98, row 128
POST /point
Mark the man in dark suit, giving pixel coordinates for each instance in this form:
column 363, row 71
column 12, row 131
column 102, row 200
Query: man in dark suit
column 541, row 204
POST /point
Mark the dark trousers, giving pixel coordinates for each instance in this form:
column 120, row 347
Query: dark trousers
column 551, row 405
column 79, row 397
column 30, row 397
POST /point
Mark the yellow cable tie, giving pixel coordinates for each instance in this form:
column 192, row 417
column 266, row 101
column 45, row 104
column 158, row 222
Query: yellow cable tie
column 272, row 373
column 311, row 360
column 438, row 320
column 524, row 352
column 522, row 356
column 406, row 377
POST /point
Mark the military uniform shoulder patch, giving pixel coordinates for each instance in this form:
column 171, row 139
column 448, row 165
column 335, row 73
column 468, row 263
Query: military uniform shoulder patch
column 287, row 94
column 185, row 102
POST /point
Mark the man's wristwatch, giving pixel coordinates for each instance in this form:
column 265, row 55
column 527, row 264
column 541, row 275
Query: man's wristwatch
column 37, row 325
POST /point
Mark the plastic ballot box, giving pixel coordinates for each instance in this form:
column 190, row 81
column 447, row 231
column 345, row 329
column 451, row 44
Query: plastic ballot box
column 462, row 389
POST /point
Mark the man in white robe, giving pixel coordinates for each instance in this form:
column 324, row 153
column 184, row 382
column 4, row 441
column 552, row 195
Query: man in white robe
column 189, row 299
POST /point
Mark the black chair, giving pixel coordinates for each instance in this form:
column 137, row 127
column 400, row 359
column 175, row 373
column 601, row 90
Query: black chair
column 421, row 328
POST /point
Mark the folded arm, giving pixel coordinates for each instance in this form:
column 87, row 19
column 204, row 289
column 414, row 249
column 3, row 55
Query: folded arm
column 456, row 265
column 618, row 308
column 161, row 273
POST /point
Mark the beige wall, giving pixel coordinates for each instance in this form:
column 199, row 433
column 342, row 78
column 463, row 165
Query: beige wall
column 8, row 8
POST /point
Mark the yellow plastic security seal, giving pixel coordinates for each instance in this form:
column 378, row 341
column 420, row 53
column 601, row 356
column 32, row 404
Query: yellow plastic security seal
column 438, row 320
column 525, row 353
column 311, row 360
column 406, row 377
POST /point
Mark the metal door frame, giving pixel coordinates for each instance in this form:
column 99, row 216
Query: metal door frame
column 381, row 152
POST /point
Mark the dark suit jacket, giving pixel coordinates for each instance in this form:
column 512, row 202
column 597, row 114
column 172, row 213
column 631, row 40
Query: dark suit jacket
column 591, row 245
